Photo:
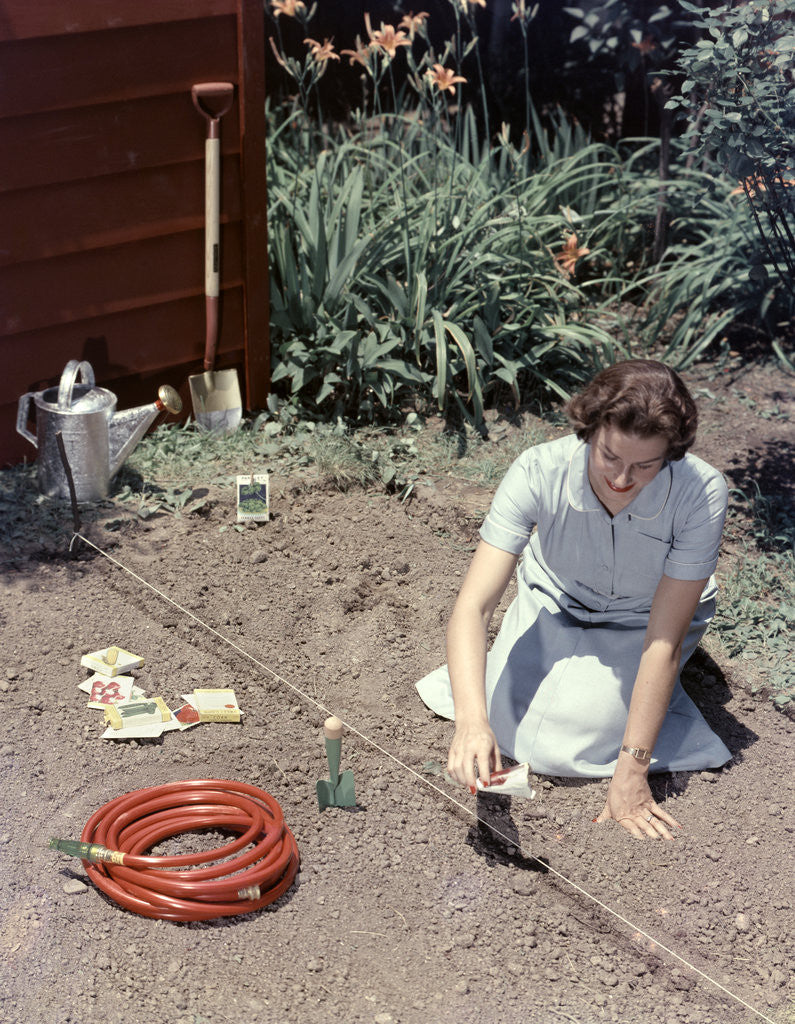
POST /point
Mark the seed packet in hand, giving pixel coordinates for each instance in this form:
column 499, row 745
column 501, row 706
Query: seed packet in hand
column 509, row 782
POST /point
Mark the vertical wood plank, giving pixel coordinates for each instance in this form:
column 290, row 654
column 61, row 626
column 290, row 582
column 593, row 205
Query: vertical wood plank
column 251, row 75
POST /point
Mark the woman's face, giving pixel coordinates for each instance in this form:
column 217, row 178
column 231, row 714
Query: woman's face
column 620, row 465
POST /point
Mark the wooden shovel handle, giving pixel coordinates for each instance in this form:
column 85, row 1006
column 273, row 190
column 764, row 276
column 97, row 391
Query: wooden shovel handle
column 333, row 728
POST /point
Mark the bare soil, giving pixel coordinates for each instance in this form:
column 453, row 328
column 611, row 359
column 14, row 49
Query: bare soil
column 422, row 904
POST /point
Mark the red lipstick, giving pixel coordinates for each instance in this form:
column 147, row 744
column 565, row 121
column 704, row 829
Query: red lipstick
column 618, row 490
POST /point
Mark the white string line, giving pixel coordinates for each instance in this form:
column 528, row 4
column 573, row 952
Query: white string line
column 426, row 781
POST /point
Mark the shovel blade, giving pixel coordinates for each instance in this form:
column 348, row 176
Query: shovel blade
column 341, row 795
column 217, row 403
column 325, row 794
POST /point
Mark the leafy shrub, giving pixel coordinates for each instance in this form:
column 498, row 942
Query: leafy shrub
column 412, row 262
column 739, row 100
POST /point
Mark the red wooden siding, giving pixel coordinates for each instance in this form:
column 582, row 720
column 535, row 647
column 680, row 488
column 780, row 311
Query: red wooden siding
column 102, row 196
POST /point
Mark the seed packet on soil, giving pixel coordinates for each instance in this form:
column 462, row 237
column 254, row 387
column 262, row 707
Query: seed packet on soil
column 87, row 686
column 104, row 690
column 140, row 732
column 187, row 716
column 253, row 498
column 214, row 705
column 132, row 713
column 140, row 719
column 111, row 661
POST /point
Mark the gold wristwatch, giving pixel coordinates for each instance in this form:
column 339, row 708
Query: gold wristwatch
column 639, row 753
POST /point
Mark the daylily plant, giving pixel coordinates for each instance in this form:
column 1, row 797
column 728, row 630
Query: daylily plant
column 288, row 7
column 444, row 78
column 322, row 52
column 361, row 55
column 387, row 38
column 567, row 258
column 413, row 23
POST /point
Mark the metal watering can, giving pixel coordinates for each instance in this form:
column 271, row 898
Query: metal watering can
column 96, row 438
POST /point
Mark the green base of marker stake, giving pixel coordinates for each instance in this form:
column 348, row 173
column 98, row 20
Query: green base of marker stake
column 338, row 791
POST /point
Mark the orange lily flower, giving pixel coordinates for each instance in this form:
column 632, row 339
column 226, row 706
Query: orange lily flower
column 358, row 56
column 444, row 78
column 387, row 38
column 520, row 12
column 288, row 7
column 322, row 52
column 756, row 183
column 412, row 22
column 646, row 45
column 567, row 258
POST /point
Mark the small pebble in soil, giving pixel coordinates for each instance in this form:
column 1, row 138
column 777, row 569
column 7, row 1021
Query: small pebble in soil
column 73, row 887
column 742, row 923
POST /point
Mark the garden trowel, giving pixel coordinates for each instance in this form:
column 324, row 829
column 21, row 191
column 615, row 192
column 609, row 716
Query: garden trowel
column 338, row 790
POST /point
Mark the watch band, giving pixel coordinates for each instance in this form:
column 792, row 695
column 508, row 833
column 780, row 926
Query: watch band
column 639, row 753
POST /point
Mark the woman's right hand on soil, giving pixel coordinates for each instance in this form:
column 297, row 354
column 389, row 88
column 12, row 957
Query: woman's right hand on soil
column 473, row 742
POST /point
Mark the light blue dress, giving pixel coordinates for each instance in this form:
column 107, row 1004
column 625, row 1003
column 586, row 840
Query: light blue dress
column 560, row 673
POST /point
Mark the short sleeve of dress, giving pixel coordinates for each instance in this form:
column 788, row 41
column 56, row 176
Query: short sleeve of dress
column 696, row 542
column 514, row 510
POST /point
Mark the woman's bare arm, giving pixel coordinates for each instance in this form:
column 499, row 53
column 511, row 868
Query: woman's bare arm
column 629, row 799
column 467, row 641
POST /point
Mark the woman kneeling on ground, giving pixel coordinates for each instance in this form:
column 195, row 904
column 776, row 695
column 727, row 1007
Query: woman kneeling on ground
column 615, row 591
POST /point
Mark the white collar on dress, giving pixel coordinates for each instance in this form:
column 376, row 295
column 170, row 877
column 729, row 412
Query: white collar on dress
column 647, row 505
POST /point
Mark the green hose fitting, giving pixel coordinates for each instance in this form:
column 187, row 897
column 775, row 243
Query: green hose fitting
column 92, row 852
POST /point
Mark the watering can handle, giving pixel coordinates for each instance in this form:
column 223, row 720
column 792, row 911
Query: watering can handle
column 68, row 377
column 22, row 419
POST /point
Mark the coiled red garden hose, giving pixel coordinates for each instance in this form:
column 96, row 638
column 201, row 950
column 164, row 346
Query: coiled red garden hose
column 244, row 875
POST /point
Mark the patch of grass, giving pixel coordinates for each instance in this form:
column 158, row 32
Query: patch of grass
column 756, row 609
column 756, row 617
column 183, row 454
column 345, row 463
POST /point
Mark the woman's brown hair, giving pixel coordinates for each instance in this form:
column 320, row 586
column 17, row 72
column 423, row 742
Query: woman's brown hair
column 638, row 396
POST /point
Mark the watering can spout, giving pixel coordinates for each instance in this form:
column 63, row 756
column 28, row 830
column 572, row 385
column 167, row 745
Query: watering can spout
column 126, row 428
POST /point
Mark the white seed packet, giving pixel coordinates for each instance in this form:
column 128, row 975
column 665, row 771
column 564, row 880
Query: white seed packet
column 111, row 661
column 253, row 498
column 104, row 690
column 214, row 705
column 509, row 782
column 141, row 732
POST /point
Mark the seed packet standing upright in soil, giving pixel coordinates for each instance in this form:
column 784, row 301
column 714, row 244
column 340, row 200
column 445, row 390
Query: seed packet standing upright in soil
column 253, row 498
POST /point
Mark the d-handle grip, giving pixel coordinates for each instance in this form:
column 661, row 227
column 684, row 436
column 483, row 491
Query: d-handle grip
column 22, row 419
